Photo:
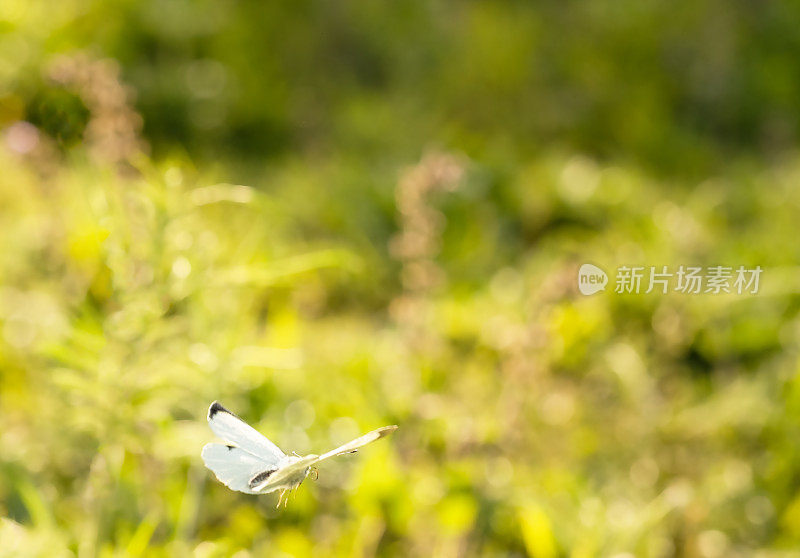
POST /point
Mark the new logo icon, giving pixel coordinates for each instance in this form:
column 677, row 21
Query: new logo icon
column 591, row 279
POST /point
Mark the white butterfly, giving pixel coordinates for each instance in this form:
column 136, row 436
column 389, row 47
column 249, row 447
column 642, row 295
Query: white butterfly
column 254, row 465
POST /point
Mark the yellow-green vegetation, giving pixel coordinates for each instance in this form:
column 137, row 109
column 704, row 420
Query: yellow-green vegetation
column 532, row 419
column 335, row 216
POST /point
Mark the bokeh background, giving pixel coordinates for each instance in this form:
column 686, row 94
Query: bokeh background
column 335, row 215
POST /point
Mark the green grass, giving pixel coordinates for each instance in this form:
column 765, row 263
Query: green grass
column 532, row 419
column 337, row 216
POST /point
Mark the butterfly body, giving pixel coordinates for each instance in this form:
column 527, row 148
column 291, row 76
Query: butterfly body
column 252, row 464
column 288, row 476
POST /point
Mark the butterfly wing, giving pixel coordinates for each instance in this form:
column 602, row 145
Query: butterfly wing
column 254, row 465
column 352, row 446
column 233, row 466
column 235, row 431
column 292, row 472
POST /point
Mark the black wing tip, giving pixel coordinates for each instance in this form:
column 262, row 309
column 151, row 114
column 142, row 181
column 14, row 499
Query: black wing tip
column 216, row 408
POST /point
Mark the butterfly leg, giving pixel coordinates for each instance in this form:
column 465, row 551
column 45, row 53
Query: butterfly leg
column 279, row 499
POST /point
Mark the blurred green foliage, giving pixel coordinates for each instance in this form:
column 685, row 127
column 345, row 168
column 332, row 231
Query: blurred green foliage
column 424, row 180
column 675, row 86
